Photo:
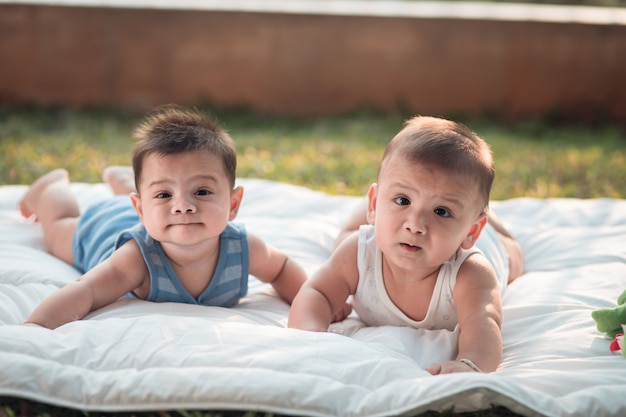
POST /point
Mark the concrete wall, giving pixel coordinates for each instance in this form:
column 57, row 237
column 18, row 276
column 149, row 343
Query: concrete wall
column 312, row 63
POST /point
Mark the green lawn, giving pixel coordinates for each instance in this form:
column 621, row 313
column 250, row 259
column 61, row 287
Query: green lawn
column 338, row 155
column 333, row 154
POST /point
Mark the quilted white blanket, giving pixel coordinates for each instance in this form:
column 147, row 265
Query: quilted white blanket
column 135, row 355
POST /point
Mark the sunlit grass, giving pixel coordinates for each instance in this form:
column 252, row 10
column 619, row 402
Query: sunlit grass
column 558, row 162
column 337, row 155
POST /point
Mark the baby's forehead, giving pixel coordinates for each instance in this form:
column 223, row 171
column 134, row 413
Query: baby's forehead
column 417, row 175
column 399, row 164
column 402, row 165
column 152, row 163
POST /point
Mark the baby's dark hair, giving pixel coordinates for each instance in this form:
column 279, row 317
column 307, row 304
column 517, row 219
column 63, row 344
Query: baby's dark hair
column 172, row 129
column 446, row 145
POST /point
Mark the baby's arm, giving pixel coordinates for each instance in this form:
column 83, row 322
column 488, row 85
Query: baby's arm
column 273, row 266
column 322, row 299
column 100, row 286
column 479, row 309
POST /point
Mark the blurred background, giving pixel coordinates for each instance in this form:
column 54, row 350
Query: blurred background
column 543, row 83
column 319, row 57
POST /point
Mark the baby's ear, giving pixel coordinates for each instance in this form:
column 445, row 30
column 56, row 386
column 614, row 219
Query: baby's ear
column 236, row 195
column 474, row 233
column 135, row 198
column 371, row 203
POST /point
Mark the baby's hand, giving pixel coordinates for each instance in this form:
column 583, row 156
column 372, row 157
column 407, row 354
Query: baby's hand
column 449, row 367
column 343, row 313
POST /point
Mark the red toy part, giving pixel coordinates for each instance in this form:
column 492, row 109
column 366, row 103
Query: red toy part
column 616, row 344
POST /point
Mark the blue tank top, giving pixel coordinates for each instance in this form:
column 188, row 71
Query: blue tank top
column 107, row 226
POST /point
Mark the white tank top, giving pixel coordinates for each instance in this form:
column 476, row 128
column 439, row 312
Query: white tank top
column 375, row 308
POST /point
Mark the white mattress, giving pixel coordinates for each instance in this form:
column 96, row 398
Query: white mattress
column 134, row 355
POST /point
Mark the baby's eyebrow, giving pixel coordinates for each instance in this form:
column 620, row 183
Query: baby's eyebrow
column 202, row 177
column 205, row 177
column 158, row 182
column 454, row 201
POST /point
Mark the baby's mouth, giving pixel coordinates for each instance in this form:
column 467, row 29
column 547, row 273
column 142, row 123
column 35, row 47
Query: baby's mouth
column 409, row 247
column 185, row 224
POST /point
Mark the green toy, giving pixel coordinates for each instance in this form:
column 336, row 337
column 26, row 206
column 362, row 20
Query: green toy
column 612, row 321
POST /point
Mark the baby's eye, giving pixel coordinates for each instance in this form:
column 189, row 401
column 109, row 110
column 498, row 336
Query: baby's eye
column 439, row 211
column 163, row 195
column 402, row 201
column 203, row 192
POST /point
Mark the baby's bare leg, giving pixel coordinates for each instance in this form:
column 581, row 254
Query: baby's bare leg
column 51, row 202
column 516, row 257
column 356, row 219
column 121, row 179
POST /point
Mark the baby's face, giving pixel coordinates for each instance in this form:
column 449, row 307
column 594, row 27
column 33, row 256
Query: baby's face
column 422, row 214
column 185, row 198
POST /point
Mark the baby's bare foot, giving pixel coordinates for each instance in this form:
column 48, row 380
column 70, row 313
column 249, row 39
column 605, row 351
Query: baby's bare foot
column 27, row 204
column 121, row 179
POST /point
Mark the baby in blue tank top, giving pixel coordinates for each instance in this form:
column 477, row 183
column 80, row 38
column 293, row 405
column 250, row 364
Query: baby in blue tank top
column 106, row 226
column 170, row 238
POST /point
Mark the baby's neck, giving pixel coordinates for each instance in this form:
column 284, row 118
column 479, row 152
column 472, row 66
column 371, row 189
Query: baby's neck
column 194, row 269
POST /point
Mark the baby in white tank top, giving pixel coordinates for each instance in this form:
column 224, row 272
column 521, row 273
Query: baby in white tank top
column 416, row 264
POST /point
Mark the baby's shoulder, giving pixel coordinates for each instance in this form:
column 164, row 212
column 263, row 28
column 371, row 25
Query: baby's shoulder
column 476, row 268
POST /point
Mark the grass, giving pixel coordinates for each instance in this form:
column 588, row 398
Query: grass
column 337, row 155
